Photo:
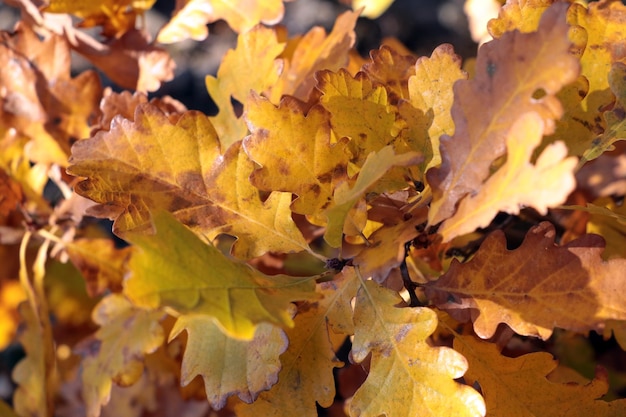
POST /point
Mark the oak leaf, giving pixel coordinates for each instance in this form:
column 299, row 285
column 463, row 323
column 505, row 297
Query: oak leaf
column 522, row 15
column 313, row 52
column 397, row 339
column 608, row 220
column 294, row 152
column 306, row 376
column 11, row 194
column 155, row 162
column 190, row 18
column 115, row 353
column 370, row 122
column 116, row 16
column 11, row 295
column 536, row 287
column 392, row 69
column 256, row 55
column 237, row 296
column 209, row 352
column 345, row 197
column 518, row 183
column 518, row 387
column 430, row 90
column 486, row 106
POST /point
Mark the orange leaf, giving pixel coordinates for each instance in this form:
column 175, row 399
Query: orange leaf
column 486, row 106
column 314, row 52
column 10, row 194
column 536, row 287
column 518, row 387
column 391, row 69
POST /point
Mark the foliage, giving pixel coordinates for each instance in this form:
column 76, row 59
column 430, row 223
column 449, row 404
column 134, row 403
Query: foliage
column 459, row 228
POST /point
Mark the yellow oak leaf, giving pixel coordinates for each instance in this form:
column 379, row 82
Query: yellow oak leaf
column 391, row 69
column 116, row 16
column 371, row 8
column 359, row 110
column 486, row 106
column 314, row 52
column 256, row 56
column 295, row 152
column 518, row 387
column 115, row 353
column 518, row 183
column 536, row 287
column 236, row 295
column 345, row 197
column 397, row 339
column 190, row 18
column 430, row 90
column 229, row 366
column 522, row 15
column 306, row 376
column 175, row 163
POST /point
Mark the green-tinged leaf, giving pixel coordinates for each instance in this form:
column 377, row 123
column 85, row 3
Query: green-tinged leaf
column 174, row 268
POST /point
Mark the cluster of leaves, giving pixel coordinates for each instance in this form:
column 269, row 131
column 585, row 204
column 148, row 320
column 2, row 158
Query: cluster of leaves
column 433, row 217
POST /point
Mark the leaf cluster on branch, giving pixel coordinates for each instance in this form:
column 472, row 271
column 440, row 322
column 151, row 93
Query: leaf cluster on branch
column 384, row 235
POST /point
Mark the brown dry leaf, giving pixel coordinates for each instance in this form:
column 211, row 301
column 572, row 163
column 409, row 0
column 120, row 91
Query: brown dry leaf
column 536, row 287
column 115, row 16
column 115, row 353
column 392, row 69
column 385, row 250
column 397, row 340
column 11, row 194
column 132, row 61
column 255, row 56
column 486, row 106
column 294, row 152
column 518, row 387
column 314, row 52
column 229, row 366
column 176, row 164
column 191, row 17
column 41, row 100
column 306, row 377
column 518, row 183
column 101, row 264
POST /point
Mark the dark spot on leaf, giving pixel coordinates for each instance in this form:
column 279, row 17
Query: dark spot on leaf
column 316, row 189
column 491, row 68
